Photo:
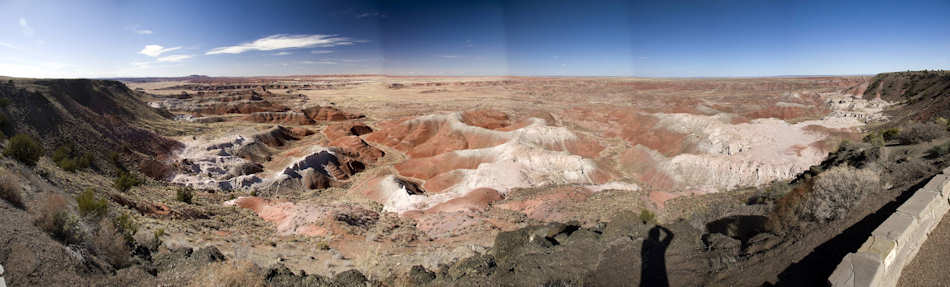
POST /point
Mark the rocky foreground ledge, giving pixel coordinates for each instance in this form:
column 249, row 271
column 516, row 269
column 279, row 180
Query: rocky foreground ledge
column 895, row 243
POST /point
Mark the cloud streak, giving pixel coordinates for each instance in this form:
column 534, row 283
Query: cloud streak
column 321, row 62
column 174, row 58
column 25, row 28
column 284, row 41
column 156, row 50
column 143, row 31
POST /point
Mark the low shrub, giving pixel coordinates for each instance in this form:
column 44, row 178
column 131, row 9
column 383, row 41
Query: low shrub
column 875, row 139
column 890, row 134
column 939, row 150
column 10, row 189
column 110, row 244
column 24, row 148
column 68, row 159
column 184, row 195
column 921, row 132
column 90, row 206
column 646, row 216
column 55, row 218
column 5, row 126
column 835, row 191
column 126, row 181
column 126, row 226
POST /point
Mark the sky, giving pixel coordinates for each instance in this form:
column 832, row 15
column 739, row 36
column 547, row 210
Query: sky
column 737, row 38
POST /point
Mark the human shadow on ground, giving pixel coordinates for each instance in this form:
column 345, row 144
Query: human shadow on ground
column 653, row 256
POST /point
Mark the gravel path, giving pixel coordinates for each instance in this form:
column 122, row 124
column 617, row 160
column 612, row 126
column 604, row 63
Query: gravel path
column 929, row 268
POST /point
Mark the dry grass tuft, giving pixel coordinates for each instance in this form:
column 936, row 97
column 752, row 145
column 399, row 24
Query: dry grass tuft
column 110, row 244
column 55, row 217
column 10, row 189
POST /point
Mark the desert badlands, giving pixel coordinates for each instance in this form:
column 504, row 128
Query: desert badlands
column 474, row 143
column 380, row 180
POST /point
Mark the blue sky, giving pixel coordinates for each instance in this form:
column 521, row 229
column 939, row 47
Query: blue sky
column 544, row 37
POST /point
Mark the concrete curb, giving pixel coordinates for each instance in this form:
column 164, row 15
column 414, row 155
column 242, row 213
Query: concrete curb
column 895, row 242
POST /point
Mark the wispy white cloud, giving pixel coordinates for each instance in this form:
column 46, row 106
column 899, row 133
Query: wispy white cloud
column 25, row 28
column 370, row 15
column 284, row 41
column 174, row 58
column 284, row 53
column 8, row 45
column 448, row 56
column 156, row 50
column 138, row 30
column 321, row 62
column 321, row 51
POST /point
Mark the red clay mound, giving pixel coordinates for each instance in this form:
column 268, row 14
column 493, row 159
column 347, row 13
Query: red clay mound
column 355, row 147
column 432, row 135
column 343, row 129
column 489, row 119
column 629, row 125
column 429, row 167
column 326, row 114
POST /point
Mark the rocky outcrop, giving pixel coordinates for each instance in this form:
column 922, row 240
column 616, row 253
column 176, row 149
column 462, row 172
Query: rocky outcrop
column 229, row 163
column 622, row 252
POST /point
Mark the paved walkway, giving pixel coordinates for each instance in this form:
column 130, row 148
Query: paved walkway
column 929, row 268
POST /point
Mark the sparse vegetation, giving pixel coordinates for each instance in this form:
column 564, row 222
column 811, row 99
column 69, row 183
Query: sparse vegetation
column 111, row 245
column 323, row 245
column 10, row 189
column 89, row 206
column 836, row 190
column 647, row 216
column 126, row 181
column 4, row 102
column 939, row 150
column 921, row 132
column 116, row 160
column 890, row 134
column 126, row 226
column 24, row 148
column 875, row 139
column 4, row 126
column 184, row 194
column 68, row 159
column 58, row 220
